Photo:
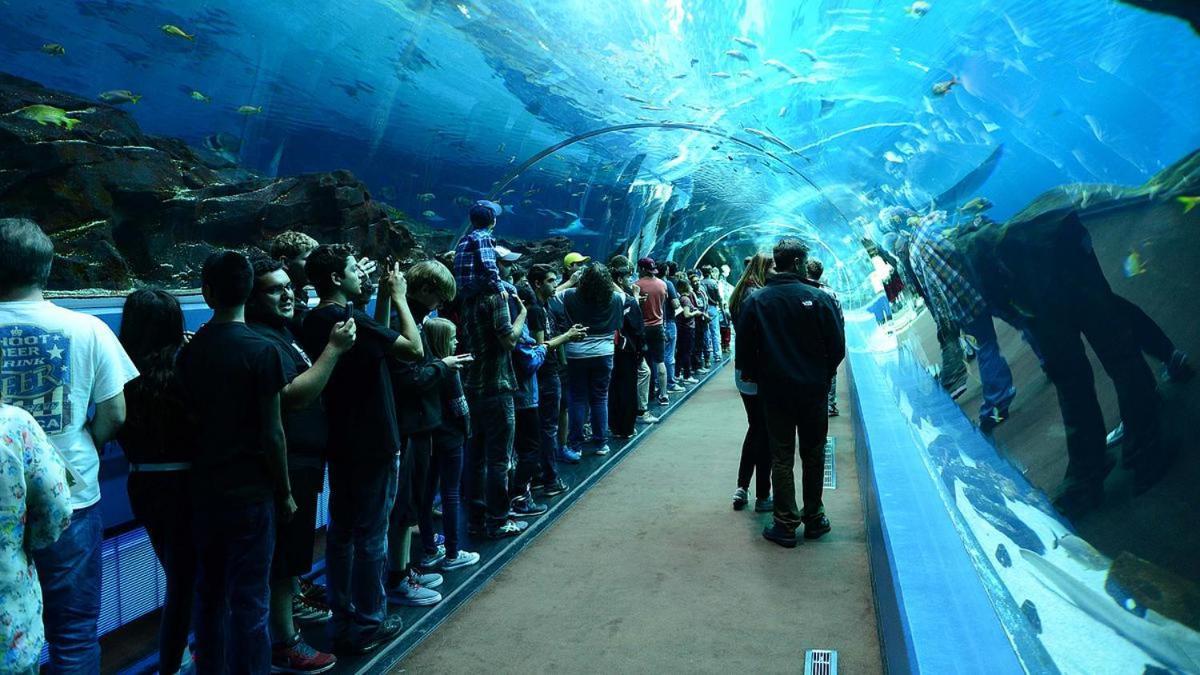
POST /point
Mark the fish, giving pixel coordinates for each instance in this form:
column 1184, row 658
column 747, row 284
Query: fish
column 827, row 106
column 176, row 31
column 654, row 107
column 679, row 76
column 119, row 96
column 249, row 110
column 812, row 56
column 635, row 99
column 426, row 197
column 746, row 41
column 893, row 157
column 918, row 9
column 575, row 228
column 1134, row 265
column 500, row 148
column 780, row 66
column 694, row 62
column 54, row 49
column 430, row 215
column 223, row 143
column 1189, row 203
column 977, row 205
column 735, row 54
column 463, row 201
column 47, row 114
column 720, row 74
column 768, row 136
column 783, row 111
column 943, row 88
column 197, row 96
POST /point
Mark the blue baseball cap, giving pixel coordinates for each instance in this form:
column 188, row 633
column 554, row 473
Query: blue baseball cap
column 485, row 207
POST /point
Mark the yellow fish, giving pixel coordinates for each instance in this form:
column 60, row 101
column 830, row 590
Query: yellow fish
column 197, row 96
column 1189, row 203
column 249, row 110
column 54, row 49
column 1134, row 265
column 176, row 31
column 47, row 114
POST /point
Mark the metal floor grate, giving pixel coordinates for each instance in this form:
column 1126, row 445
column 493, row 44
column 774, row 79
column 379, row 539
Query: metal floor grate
column 820, row 662
column 830, row 465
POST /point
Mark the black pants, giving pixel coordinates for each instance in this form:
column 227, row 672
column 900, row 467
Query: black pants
column 804, row 413
column 623, row 394
column 527, row 445
column 684, row 343
column 485, row 476
column 162, row 503
column 1070, row 299
column 1149, row 335
column 549, row 400
column 756, row 450
column 421, row 482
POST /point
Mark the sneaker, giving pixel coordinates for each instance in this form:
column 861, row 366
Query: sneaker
column 780, row 535
column 958, row 391
column 603, row 450
column 309, row 610
column 765, row 505
column 386, row 631
column 525, row 507
column 740, row 498
column 426, row 579
column 463, row 559
column 432, row 559
column 647, row 418
column 817, row 527
column 691, row 380
column 833, row 410
column 702, row 370
column 510, row 528
column 989, row 422
column 1178, row 368
column 676, row 389
column 553, row 489
column 296, row 656
column 312, row 591
column 409, row 593
column 1116, row 435
column 569, row 456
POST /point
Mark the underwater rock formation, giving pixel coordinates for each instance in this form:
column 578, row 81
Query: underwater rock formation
column 126, row 208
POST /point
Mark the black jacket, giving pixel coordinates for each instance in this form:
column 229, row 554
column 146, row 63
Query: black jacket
column 790, row 338
column 418, row 388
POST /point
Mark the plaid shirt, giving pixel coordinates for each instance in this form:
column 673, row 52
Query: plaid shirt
column 942, row 271
column 485, row 320
column 475, row 267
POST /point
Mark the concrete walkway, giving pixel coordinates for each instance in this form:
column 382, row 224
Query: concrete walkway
column 653, row 571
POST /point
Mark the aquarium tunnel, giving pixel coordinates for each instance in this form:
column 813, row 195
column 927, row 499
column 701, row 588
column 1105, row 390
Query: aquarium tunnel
column 1002, row 195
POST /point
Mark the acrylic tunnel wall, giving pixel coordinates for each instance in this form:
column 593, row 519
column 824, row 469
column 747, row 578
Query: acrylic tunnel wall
column 1008, row 163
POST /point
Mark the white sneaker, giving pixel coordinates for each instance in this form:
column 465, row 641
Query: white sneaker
column 412, row 594
column 463, row 559
column 1116, row 435
column 603, row 450
column 675, row 389
column 691, row 380
column 647, row 418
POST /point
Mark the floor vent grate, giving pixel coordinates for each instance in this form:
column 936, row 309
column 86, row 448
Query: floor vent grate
column 830, row 465
column 820, row 662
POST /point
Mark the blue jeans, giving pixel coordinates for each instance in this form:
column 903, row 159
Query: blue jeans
column 69, row 572
column 669, row 354
column 712, row 336
column 361, row 493
column 234, row 543
column 549, row 399
column 588, row 392
column 998, row 390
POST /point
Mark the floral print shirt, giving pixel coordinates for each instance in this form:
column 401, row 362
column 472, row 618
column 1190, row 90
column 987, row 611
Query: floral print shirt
column 35, row 508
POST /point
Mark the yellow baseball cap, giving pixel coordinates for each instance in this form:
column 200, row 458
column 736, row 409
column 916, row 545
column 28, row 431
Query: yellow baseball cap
column 574, row 258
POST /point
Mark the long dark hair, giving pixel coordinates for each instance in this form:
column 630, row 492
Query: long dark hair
column 596, row 286
column 152, row 333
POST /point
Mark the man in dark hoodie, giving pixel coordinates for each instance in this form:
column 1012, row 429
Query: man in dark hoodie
column 790, row 342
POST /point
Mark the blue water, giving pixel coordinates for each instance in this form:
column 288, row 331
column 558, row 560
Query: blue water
column 446, row 98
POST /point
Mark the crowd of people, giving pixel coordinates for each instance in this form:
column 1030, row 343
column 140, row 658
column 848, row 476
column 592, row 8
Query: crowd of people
column 472, row 381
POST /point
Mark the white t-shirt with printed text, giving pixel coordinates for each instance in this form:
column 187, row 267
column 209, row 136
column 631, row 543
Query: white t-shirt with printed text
column 56, row 363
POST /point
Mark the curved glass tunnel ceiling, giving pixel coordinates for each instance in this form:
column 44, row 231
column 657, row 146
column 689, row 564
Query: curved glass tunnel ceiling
column 433, row 104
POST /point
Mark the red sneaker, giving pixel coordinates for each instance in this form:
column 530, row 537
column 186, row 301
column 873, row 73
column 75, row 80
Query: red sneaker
column 296, row 656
